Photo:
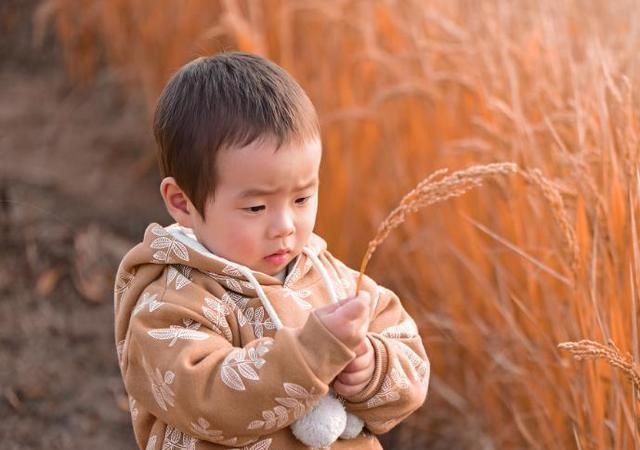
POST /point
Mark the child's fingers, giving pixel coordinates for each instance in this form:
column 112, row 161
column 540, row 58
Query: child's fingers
column 328, row 309
column 353, row 308
column 347, row 390
column 356, row 365
column 350, row 311
column 364, row 295
column 362, row 348
column 332, row 307
column 354, row 378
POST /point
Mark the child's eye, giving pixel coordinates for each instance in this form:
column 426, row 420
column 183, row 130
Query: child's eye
column 254, row 209
column 302, row 200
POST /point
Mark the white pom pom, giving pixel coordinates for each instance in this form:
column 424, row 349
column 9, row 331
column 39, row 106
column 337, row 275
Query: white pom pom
column 353, row 428
column 321, row 425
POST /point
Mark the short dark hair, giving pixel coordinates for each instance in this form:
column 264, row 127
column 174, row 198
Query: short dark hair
column 221, row 101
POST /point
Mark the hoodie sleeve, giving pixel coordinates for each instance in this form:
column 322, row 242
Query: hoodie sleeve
column 182, row 367
column 401, row 376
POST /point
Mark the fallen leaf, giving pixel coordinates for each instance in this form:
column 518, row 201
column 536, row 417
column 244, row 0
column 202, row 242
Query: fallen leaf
column 48, row 280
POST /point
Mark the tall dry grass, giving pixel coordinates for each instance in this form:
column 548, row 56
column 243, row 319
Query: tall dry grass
column 496, row 278
column 433, row 189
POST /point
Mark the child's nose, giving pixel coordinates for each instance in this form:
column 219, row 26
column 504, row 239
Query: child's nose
column 283, row 225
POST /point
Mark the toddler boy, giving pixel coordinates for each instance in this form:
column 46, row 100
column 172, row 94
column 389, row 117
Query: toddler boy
column 235, row 321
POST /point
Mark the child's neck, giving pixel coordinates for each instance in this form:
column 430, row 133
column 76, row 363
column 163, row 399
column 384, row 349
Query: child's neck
column 282, row 274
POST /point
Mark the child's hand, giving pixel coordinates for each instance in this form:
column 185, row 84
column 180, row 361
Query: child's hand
column 355, row 377
column 348, row 319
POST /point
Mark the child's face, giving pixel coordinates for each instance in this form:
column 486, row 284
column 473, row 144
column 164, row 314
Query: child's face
column 265, row 203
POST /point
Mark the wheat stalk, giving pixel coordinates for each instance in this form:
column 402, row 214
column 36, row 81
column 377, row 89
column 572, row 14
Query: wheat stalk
column 553, row 196
column 429, row 191
column 587, row 349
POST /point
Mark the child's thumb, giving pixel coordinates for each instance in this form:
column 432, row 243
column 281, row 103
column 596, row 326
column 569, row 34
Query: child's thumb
column 352, row 308
column 327, row 309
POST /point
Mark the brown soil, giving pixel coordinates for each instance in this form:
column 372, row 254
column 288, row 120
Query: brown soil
column 72, row 194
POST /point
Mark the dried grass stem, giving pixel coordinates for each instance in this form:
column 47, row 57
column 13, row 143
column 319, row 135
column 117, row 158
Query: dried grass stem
column 433, row 190
column 587, row 349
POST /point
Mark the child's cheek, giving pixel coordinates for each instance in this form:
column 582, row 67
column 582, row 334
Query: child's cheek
column 244, row 239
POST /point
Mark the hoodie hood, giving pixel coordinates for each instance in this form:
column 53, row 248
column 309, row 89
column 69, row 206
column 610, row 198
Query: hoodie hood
column 174, row 252
column 177, row 245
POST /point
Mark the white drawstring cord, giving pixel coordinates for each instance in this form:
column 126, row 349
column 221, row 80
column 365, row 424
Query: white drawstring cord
column 263, row 296
column 181, row 234
column 323, row 273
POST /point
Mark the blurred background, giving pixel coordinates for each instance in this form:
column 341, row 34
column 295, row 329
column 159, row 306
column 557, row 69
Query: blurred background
column 496, row 278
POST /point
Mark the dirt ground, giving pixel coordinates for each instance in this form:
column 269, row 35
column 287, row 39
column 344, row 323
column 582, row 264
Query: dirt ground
column 76, row 191
column 71, row 194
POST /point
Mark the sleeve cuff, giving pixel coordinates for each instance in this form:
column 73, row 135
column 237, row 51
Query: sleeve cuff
column 381, row 363
column 325, row 354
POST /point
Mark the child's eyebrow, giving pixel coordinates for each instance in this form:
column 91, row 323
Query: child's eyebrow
column 257, row 192
column 307, row 185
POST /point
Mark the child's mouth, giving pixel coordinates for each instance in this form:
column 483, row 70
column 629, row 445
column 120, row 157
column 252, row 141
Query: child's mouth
column 278, row 257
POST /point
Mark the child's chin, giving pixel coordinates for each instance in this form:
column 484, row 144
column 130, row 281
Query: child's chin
column 271, row 271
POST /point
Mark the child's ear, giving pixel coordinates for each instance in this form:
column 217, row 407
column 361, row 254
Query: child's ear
column 177, row 203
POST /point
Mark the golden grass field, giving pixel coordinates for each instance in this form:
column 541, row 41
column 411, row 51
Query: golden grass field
column 498, row 277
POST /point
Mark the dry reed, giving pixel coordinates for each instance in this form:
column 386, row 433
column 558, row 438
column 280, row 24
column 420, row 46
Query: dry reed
column 587, row 349
column 553, row 197
column 429, row 191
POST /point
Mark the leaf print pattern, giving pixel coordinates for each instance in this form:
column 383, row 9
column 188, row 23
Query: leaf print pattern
column 175, row 332
column 300, row 267
column 240, row 364
column 176, row 440
column 248, row 288
column 389, row 392
column 146, row 299
column 297, row 391
column 293, row 276
column 232, row 300
column 403, row 330
column 228, row 280
column 419, row 367
column 298, row 297
column 234, row 284
column 179, row 275
column 160, row 387
column 132, row 408
column 278, row 416
column 151, row 444
column 230, row 283
column 167, row 246
column 123, row 283
column 217, row 312
column 346, row 282
column 120, row 350
column 255, row 318
column 298, row 399
column 261, row 445
column 234, row 272
column 202, row 427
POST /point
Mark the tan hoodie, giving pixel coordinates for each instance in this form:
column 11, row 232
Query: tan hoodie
column 216, row 356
